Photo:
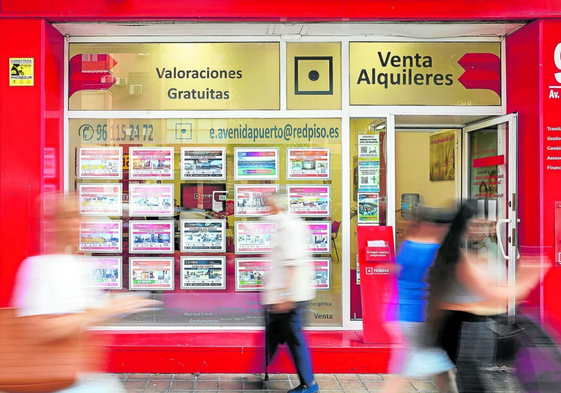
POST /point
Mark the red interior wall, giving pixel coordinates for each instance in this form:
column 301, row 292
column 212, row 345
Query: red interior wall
column 27, row 113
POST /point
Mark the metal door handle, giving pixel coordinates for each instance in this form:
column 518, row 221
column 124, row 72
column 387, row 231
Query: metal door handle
column 499, row 239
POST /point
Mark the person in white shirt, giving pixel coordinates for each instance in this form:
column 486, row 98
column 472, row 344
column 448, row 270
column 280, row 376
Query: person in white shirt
column 56, row 284
column 288, row 286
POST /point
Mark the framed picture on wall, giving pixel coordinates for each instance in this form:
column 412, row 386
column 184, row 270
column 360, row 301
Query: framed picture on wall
column 99, row 199
column 442, row 156
column 153, row 236
column 151, row 274
column 256, row 163
column 105, row 272
column 251, row 199
column 368, row 208
column 255, row 237
column 151, row 200
column 201, row 272
column 100, row 163
column 322, row 273
column 369, row 146
column 251, row 272
column 368, row 176
column 101, row 236
column 203, row 163
column 308, row 164
column 203, row 235
column 309, row 200
column 151, row 163
column 317, row 237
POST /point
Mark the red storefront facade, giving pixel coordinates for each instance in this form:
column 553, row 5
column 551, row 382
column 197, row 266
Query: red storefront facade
column 32, row 138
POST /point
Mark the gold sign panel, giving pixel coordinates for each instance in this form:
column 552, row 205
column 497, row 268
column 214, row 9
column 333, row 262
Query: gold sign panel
column 313, row 75
column 181, row 132
column 425, row 73
column 174, row 76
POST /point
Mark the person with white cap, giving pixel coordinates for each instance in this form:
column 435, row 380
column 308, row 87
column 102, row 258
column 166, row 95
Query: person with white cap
column 288, row 286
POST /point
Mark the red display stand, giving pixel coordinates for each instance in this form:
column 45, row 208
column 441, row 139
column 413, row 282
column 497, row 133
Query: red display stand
column 377, row 285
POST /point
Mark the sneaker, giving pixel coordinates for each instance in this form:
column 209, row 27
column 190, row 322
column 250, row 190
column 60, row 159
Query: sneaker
column 305, row 389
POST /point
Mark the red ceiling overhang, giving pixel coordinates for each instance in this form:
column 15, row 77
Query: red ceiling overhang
column 286, row 10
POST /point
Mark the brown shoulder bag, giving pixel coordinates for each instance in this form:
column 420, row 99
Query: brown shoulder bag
column 30, row 362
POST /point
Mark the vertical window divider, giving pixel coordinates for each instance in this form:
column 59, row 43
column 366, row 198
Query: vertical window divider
column 345, row 188
column 66, row 125
column 283, row 70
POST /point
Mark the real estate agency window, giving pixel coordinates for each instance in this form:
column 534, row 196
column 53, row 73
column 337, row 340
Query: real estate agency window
column 177, row 206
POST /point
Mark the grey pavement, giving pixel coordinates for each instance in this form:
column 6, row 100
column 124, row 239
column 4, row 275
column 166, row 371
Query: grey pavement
column 499, row 381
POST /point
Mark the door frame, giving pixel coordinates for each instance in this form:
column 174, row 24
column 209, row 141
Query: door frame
column 510, row 254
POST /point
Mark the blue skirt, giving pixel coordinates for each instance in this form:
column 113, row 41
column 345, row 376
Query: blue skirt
column 415, row 360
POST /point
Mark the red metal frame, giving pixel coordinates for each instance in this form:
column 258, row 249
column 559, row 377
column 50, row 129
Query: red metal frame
column 32, row 119
column 288, row 10
column 22, row 127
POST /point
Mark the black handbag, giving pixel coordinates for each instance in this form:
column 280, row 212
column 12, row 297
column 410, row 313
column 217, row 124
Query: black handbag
column 507, row 334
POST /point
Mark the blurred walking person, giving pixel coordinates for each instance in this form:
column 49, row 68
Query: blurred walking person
column 415, row 257
column 288, row 286
column 44, row 344
column 467, row 293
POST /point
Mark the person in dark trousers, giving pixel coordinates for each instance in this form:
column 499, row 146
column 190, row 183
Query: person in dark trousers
column 288, row 286
column 413, row 261
column 465, row 295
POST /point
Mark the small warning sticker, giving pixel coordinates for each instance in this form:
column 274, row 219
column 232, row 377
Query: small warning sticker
column 21, row 71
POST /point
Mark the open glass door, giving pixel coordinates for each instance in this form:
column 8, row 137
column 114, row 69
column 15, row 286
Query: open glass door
column 490, row 176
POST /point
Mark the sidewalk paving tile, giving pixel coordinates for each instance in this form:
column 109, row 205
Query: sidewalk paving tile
column 135, row 384
column 280, row 385
column 282, row 377
column 155, row 385
column 351, row 385
column 206, row 385
column 374, row 385
column 141, row 377
column 348, row 377
column 324, row 377
column 183, row 377
column 425, row 386
column 161, row 377
column 231, row 385
column 370, row 377
column 253, row 385
column 253, row 377
column 208, row 377
column 329, row 385
column 182, row 385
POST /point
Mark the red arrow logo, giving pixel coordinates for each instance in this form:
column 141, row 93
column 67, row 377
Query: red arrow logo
column 90, row 72
column 482, row 71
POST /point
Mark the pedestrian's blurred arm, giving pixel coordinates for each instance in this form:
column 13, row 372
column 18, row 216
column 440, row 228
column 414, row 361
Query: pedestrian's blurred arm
column 286, row 304
column 530, row 269
column 471, row 278
column 70, row 324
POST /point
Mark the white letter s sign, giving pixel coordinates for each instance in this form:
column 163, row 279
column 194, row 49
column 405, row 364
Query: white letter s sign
column 557, row 59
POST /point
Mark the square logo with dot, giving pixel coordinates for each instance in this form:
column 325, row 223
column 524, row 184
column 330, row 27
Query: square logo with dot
column 313, row 75
column 183, row 131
